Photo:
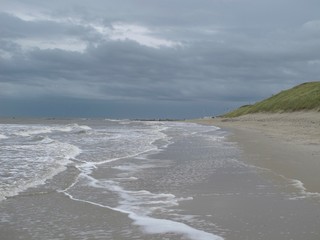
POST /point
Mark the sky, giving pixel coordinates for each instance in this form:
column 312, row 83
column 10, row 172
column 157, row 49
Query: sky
column 152, row 58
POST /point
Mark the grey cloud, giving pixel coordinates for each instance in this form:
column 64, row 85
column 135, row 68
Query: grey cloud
column 232, row 52
column 13, row 27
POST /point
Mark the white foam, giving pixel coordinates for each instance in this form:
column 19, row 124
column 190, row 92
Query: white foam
column 120, row 178
column 158, row 226
column 2, row 136
column 47, row 140
column 148, row 150
column 21, row 186
column 28, row 166
column 140, row 206
column 133, row 168
column 119, row 142
column 125, row 168
column 71, row 127
column 84, row 127
column 87, row 167
column 162, row 226
column 302, row 190
column 32, row 131
column 114, row 120
column 149, row 224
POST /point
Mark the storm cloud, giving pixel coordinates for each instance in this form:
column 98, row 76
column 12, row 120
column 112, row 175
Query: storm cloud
column 158, row 58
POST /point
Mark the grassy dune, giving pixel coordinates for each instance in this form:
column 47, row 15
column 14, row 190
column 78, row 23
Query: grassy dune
column 304, row 97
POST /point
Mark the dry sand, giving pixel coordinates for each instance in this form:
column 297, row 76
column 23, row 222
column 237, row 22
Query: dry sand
column 286, row 143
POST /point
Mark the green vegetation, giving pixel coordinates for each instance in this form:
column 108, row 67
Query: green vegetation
column 304, row 97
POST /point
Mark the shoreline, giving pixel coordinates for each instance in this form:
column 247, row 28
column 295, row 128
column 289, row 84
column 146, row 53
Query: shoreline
column 202, row 184
column 288, row 144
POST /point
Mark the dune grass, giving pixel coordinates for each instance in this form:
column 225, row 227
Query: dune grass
column 304, row 97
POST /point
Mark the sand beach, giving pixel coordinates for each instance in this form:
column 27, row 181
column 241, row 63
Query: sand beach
column 286, row 143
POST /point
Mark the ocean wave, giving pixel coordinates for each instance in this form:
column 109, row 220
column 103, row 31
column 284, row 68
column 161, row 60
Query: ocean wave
column 72, row 128
column 140, row 205
column 2, row 136
column 31, row 130
column 303, row 192
column 30, row 165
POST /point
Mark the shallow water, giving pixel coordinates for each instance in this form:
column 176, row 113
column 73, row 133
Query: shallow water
column 102, row 179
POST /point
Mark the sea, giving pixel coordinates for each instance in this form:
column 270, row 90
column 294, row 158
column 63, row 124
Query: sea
column 125, row 179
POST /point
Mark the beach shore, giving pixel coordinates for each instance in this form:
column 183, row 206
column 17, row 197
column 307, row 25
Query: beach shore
column 197, row 182
column 286, row 143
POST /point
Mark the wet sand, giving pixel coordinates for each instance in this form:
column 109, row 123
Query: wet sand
column 287, row 143
column 287, row 149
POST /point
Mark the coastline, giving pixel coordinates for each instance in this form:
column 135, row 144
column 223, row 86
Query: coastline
column 288, row 144
column 203, row 185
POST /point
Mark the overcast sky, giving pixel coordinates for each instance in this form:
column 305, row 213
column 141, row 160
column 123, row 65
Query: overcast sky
column 152, row 58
